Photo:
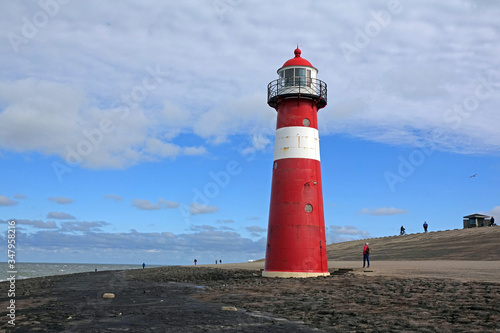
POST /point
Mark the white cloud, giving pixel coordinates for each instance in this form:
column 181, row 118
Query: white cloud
column 156, row 147
column 61, row 200
column 337, row 233
column 35, row 223
column 347, row 230
column 39, row 115
column 255, row 228
column 113, row 197
column 196, row 209
column 226, row 228
column 495, row 212
column 60, row 216
column 57, row 120
column 148, row 205
column 6, row 201
column 256, row 231
column 398, row 89
column 82, row 226
column 78, row 239
column 145, row 204
column 382, row 211
column 168, row 204
column 246, row 115
column 202, row 228
column 194, row 151
column 225, row 221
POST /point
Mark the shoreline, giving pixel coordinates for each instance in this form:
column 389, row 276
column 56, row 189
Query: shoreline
column 463, row 270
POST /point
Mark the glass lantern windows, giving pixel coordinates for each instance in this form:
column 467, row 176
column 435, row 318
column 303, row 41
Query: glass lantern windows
column 299, row 77
column 288, row 75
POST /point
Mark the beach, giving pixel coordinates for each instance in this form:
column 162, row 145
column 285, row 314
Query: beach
column 431, row 296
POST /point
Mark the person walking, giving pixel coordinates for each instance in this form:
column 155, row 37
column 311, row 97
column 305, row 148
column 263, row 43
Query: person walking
column 195, row 261
column 366, row 255
column 143, row 265
column 402, row 232
column 425, row 226
column 492, row 221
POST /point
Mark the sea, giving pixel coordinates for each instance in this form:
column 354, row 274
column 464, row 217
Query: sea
column 31, row 270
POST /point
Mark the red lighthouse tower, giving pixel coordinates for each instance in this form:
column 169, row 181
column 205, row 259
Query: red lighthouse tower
column 296, row 234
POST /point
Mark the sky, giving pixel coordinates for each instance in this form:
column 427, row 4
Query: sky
column 138, row 132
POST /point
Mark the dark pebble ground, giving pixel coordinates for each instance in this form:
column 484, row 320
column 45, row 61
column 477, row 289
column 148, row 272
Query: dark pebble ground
column 199, row 299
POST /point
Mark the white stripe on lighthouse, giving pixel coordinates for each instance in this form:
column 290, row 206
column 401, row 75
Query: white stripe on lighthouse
column 296, row 142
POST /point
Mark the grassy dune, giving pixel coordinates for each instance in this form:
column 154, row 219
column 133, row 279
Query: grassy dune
column 459, row 244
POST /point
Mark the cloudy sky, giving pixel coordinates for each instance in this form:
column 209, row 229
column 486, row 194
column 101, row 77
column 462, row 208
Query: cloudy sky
column 139, row 131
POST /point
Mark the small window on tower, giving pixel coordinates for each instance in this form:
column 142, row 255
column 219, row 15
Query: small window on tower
column 308, row 77
column 308, row 208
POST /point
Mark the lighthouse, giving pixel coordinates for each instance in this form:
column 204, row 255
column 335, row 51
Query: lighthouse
column 296, row 244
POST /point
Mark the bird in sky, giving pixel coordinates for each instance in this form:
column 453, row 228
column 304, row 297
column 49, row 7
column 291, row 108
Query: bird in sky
column 474, row 175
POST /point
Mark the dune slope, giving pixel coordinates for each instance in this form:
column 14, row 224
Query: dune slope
column 459, row 244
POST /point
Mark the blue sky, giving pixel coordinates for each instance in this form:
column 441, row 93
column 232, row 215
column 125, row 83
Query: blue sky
column 134, row 132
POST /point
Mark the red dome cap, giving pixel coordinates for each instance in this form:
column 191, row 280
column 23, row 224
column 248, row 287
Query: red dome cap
column 297, row 61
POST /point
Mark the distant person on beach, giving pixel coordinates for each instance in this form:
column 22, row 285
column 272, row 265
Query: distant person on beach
column 366, row 255
column 216, row 261
column 195, row 261
column 425, row 226
column 220, row 261
column 402, row 232
column 492, row 221
column 143, row 265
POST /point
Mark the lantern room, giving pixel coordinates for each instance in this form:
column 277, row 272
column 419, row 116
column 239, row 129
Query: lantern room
column 297, row 78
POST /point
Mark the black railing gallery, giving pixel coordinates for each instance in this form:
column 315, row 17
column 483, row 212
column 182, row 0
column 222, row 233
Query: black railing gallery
column 293, row 86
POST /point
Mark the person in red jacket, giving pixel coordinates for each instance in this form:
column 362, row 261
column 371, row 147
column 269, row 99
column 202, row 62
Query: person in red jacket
column 366, row 255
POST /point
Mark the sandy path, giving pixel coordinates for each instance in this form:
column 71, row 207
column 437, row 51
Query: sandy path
column 485, row 271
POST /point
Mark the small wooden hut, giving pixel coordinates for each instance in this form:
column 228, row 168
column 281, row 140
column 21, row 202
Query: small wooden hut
column 476, row 221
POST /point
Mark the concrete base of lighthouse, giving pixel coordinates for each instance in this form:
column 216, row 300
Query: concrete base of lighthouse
column 275, row 274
